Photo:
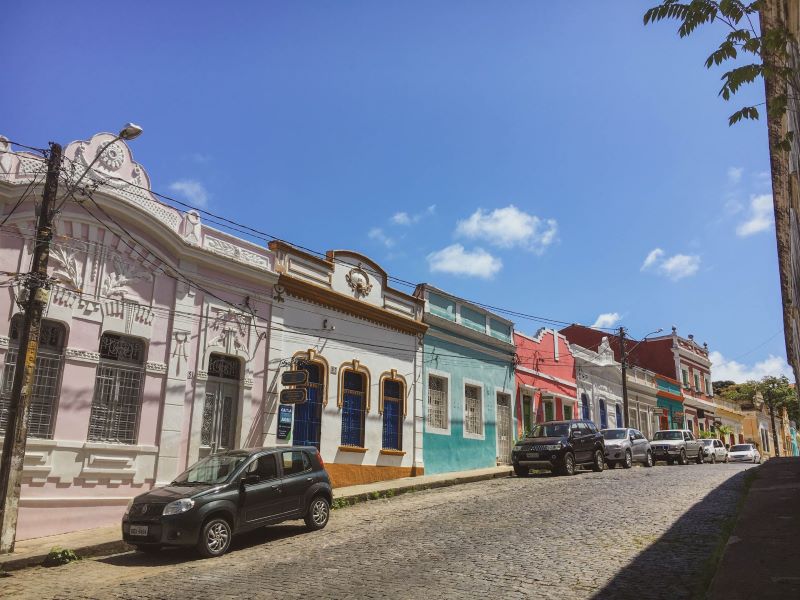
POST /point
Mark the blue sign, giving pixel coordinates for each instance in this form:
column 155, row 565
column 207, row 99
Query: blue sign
column 284, row 421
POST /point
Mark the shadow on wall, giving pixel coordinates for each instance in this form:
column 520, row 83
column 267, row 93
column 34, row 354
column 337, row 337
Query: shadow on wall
column 682, row 562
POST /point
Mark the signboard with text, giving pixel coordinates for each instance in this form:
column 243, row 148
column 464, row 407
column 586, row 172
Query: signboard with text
column 285, row 412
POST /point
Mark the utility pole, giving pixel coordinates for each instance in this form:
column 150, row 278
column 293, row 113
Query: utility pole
column 624, row 362
column 16, row 433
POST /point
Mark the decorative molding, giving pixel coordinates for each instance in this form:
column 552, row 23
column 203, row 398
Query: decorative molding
column 180, row 351
column 123, row 275
column 358, row 280
column 4, row 341
column 68, row 270
column 78, row 355
column 231, row 329
column 156, row 367
column 357, row 449
column 237, row 253
column 248, row 383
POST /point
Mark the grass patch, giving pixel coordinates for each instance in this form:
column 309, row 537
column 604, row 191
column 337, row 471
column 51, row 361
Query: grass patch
column 706, row 575
column 59, row 556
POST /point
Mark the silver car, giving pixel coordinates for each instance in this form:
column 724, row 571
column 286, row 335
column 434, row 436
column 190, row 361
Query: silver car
column 626, row 446
column 744, row 453
column 714, row 450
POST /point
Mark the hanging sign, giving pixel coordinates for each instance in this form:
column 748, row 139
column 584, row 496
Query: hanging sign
column 284, row 421
column 293, row 396
column 294, row 377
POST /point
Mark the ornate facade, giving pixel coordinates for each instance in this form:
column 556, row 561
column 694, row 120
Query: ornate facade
column 154, row 348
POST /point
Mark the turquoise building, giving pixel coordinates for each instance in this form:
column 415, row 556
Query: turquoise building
column 669, row 399
column 468, row 384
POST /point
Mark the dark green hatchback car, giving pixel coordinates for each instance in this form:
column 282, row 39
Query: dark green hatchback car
column 229, row 493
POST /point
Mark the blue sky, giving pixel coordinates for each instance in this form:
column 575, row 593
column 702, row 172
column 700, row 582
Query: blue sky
column 526, row 155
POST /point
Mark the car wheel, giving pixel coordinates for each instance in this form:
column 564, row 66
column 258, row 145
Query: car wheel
column 568, row 468
column 148, row 548
column 598, row 463
column 522, row 471
column 701, row 457
column 726, row 459
column 628, row 462
column 648, row 461
column 215, row 538
column 319, row 511
column 682, row 457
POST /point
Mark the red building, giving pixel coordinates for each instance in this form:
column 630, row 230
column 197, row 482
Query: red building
column 545, row 374
column 669, row 355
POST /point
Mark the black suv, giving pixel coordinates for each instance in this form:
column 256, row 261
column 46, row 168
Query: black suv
column 560, row 446
column 229, row 493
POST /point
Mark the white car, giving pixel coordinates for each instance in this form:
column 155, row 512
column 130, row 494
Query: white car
column 744, row 453
column 714, row 450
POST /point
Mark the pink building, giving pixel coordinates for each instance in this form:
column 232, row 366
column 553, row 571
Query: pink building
column 154, row 347
column 545, row 373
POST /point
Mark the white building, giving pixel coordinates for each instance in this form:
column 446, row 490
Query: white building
column 360, row 341
column 599, row 379
column 642, row 401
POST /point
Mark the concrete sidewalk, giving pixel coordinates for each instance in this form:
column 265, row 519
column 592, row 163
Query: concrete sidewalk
column 107, row 540
column 762, row 557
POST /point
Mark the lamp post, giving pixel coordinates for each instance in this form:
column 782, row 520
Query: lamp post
column 38, row 284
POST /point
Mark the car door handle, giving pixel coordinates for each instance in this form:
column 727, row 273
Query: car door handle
column 309, row 479
column 277, row 488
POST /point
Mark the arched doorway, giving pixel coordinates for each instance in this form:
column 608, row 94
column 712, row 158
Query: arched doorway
column 220, row 411
column 585, row 406
column 603, row 414
column 308, row 416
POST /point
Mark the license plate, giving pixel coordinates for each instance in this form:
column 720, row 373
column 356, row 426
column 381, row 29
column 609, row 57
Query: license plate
column 138, row 530
column 533, row 455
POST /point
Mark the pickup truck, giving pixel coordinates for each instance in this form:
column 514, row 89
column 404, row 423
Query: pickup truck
column 678, row 445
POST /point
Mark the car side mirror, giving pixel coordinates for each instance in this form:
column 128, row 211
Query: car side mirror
column 250, row 478
column 575, row 433
column 633, row 438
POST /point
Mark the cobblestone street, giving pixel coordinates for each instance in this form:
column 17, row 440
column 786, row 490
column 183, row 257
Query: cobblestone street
column 640, row 533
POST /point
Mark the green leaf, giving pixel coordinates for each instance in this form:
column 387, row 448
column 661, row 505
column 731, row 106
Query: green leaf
column 748, row 112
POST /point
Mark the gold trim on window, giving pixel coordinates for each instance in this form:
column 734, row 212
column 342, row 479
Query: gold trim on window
column 311, row 356
column 393, row 376
column 356, row 367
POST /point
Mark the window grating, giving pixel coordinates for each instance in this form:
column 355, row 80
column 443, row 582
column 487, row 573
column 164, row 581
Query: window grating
column 46, row 377
column 117, row 392
column 437, row 402
column 473, row 410
column 353, row 412
column 392, row 414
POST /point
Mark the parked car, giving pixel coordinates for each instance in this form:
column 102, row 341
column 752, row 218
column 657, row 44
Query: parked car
column 626, row 446
column 744, row 453
column 228, row 493
column 714, row 450
column 559, row 446
column 678, row 445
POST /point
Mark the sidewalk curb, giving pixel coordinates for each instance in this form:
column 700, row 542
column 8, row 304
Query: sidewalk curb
column 116, row 546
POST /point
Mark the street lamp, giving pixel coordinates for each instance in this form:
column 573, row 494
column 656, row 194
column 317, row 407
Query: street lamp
column 130, row 132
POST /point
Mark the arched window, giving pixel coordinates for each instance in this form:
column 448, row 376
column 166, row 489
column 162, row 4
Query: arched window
column 618, row 415
column 308, row 416
column 585, row 406
column 353, row 398
column 603, row 414
column 393, row 407
column 117, row 390
column 47, row 376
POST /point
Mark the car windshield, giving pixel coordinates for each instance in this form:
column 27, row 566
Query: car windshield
column 550, row 430
column 668, row 435
column 741, row 448
column 212, row 469
column 708, row 442
column 614, row 434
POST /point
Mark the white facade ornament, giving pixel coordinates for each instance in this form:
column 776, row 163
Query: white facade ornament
column 79, row 355
column 358, row 280
column 4, row 341
column 156, row 367
column 237, row 253
column 190, row 228
column 124, row 274
column 113, row 157
column 68, row 270
column 180, row 351
column 231, row 329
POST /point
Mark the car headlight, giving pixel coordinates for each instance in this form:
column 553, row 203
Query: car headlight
column 178, row 507
column 128, row 508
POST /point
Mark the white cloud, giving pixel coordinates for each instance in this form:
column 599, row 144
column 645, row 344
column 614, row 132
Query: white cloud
column 193, row 192
column 376, row 233
column 673, row 267
column 735, row 174
column 606, row 320
column 724, row 369
column 653, row 257
column 508, row 227
column 680, row 266
column 760, row 218
column 403, row 218
column 457, row 261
